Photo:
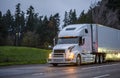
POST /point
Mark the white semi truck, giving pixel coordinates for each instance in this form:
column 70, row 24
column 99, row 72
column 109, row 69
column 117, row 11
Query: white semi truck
column 85, row 43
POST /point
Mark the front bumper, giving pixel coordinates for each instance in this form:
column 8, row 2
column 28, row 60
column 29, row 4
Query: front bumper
column 61, row 61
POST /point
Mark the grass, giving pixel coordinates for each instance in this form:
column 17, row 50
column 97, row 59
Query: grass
column 10, row 55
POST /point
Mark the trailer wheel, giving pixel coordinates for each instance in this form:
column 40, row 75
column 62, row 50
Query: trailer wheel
column 104, row 60
column 78, row 60
column 101, row 59
column 55, row 64
column 96, row 58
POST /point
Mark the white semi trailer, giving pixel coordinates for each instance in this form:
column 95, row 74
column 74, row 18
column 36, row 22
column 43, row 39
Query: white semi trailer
column 85, row 43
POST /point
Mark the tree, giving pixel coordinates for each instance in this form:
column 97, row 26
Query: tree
column 113, row 4
column 70, row 18
column 2, row 30
column 66, row 19
column 44, row 31
column 89, row 16
column 0, row 20
column 36, row 21
column 6, row 26
column 39, row 30
column 9, row 20
column 31, row 18
column 16, row 29
column 73, row 17
column 57, row 23
column 82, row 17
column 30, row 39
column 48, row 29
column 19, row 21
column 86, row 17
column 22, row 22
column 54, row 22
column 17, row 17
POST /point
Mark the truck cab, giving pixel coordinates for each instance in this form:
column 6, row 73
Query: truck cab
column 73, row 46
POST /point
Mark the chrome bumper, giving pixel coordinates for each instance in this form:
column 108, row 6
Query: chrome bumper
column 61, row 60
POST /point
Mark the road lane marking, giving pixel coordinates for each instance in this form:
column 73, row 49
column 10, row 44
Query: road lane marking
column 101, row 76
column 38, row 74
column 99, row 66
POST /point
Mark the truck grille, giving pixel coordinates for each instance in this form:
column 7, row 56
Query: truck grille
column 59, row 53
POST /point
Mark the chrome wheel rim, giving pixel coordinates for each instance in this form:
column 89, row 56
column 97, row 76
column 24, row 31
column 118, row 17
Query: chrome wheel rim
column 78, row 60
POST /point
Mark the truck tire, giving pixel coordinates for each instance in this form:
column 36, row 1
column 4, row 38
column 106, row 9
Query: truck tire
column 55, row 64
column 101, row 59
column 96, row 59
column 78, row 60
column 104, row 58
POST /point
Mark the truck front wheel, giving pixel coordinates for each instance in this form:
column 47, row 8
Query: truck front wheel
column 78, row 60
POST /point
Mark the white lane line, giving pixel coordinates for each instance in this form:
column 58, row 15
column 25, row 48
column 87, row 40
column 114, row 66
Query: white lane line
column 99, row 66
column 101, row 76
column 38, row 74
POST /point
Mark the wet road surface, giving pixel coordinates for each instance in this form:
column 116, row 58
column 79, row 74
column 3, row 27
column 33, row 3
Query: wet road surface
column 105, row 70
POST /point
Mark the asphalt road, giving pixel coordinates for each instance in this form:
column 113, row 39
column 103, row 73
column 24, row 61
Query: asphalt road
column 106, row 70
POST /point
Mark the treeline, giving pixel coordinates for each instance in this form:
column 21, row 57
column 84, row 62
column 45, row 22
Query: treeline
column 105, row 12
column 71, row 18
column 30, row 29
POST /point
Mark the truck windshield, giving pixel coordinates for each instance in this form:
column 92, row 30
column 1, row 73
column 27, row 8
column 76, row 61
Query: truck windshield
column 68, row 40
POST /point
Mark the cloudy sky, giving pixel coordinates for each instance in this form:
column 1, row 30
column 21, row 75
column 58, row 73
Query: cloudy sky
column 47, row 7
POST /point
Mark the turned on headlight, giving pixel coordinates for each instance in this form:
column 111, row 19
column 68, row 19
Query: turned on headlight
column 71, row 56
column 50, row 55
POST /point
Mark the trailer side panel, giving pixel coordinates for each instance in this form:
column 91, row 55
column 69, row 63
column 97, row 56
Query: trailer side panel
column 108, row 39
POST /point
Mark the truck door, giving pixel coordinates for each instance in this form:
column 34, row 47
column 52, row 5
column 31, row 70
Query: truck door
column 84, row 44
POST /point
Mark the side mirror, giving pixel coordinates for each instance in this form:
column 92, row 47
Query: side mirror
column 49, row 46
column 55, row 41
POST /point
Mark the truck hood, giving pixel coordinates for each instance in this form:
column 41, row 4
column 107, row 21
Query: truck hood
column 63, row 46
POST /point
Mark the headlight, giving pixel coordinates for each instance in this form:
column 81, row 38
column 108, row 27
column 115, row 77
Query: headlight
column 71, row 56
column 50, row 55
